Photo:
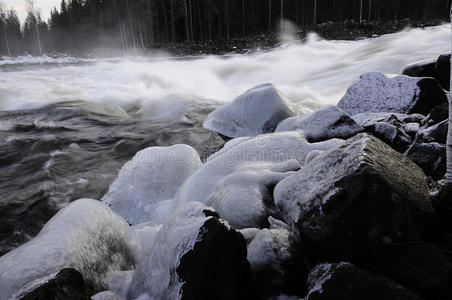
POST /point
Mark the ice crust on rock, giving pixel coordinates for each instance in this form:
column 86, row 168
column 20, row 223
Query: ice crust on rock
column 244, row 198
column 257, row 111
column 156, row 276
column 325, row 123
column 276, row 148
column 86, row 235
column 376, row 92
column 151, row 177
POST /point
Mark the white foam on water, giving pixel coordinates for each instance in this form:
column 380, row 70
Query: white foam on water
column 314, row 72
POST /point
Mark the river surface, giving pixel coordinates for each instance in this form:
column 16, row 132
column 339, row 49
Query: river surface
column 67, row 125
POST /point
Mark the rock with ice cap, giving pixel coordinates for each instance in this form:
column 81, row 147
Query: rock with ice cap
column 152, row 176
column 376, row 92
column 257, row 111
column 86, row 235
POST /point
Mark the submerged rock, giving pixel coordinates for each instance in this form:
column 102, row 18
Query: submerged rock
column 67, row 284
column 86, row 235
column 346, row 281
column 194, row 256
column 257, row 111
column 324, row 124
column 375, row 92
column 151, row 177
column 355, row 201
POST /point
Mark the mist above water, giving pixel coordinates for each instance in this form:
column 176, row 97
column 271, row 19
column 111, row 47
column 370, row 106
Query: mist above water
column 313, row 72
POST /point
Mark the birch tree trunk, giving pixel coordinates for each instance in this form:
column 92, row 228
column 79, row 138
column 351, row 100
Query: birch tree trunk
column 449, row 138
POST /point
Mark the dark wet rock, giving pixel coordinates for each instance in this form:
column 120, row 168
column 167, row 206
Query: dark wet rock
column 324, row 124
column 431, row 157
column 346, row 281
column 411, row 129
column 277, row 265
column 375, row 92
column 425, row 68
column 257, row 111
column 393, row 135
column 67, row 284
column 436, row 133
column 438, row 114
column 443, row 71
column 216, row 267
column 356, row 201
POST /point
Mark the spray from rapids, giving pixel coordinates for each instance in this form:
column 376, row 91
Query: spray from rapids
column 314, row 72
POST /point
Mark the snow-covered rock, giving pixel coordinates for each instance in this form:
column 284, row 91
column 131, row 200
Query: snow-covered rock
column 267, row 148
column 375, row 92
column 244, row 198
column 324, row 124
column 277, row 265
column 346, row 281
column 86, row 235
column 257, row 111
column 364, row 187
column 151, row 177
column 195, row 256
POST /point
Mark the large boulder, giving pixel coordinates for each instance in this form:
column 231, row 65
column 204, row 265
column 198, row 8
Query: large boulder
column 443, row 71
column 346, row 281
column 324, row 124
column 436, row 68
column 257, row 111
column 151, row 177
column 67, row 284
column 85, row 235
column 434, row 134
column 277, row 265
column 375, row 92
column 194, row 256
column 363, row 202
column 431, row 157
column 437, row 115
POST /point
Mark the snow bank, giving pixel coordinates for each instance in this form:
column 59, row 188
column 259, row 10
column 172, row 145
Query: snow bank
column 85, row 235
column 259, row 110
column 152, row 176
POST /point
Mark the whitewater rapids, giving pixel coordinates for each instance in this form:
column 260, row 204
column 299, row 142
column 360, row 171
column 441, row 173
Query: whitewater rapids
column 314, row 72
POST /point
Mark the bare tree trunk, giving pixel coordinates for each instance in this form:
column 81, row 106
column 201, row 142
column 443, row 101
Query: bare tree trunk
column 165, row 20
column 190, row 14
column 125, row 37
column 361, row 12
column 131, row 25
column 449, row 138
column 227, row 18
column 173, row 25
column 37, row 35
column 6, row 38
column 315, row 12
column 243, row 18
column 187, row 30
column 369, row 17
column 269, row 15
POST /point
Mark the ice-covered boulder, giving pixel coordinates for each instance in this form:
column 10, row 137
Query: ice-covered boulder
column 66, row 284
column 277, row 265
column 346, row 281
column 195, row 256
column 375, row 92
column 324, row 124
column 431, row 157
column 86, row 235
column 244, row 198
column 257, row 111
column 363, row 187
column 267, row 148
column 152, row 176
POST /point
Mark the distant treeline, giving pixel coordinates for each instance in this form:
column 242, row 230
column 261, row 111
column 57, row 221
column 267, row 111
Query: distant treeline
column 83, row 24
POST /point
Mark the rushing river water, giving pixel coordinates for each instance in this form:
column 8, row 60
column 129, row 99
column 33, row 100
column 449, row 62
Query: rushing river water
column 67, row 125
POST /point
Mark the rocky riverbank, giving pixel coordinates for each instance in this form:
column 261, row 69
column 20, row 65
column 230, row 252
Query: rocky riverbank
column 346, row 202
